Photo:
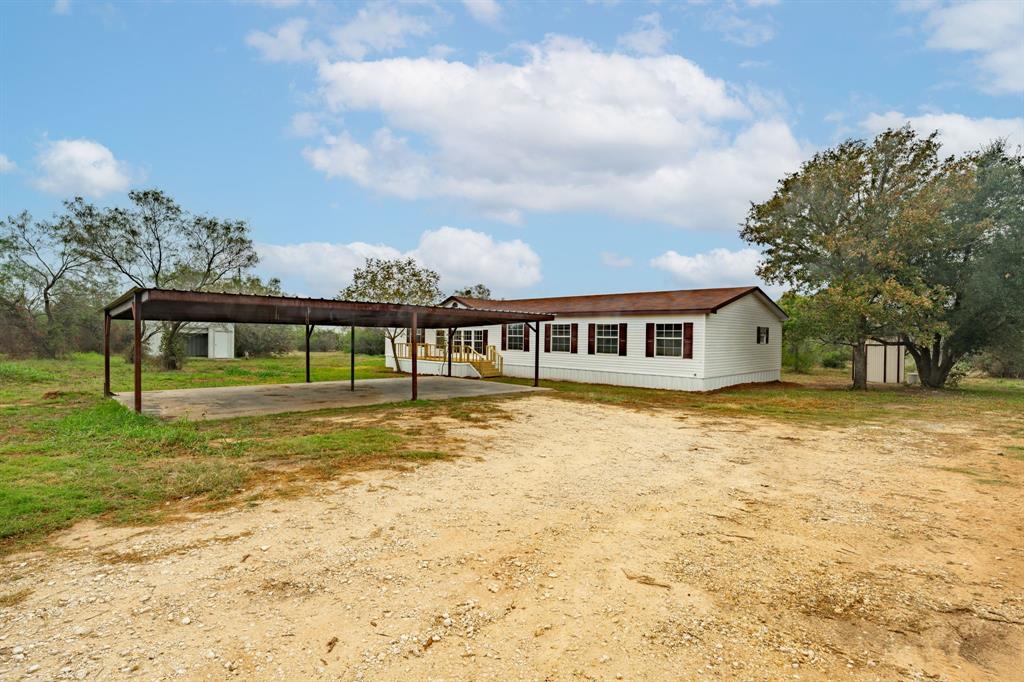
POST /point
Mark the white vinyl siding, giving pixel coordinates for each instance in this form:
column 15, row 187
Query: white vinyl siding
column 732, row 353
column 724, row 350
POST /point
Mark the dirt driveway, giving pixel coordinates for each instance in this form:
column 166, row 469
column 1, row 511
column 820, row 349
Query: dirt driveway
column 571, row 541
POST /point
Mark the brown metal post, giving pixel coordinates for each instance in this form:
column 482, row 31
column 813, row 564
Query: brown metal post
column 412, row 346
column 352, row 360
column 106, row 353
column 536, row 354
column 309, row 330
column 451, row 340
column 137, row 349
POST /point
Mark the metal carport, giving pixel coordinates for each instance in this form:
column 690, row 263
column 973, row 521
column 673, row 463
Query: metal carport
column 202, row 306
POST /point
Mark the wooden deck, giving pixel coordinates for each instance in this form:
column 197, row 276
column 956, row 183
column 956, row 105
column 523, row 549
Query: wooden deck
column 488, row 364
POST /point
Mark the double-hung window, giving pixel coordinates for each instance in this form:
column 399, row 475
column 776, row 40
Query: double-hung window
column 514, row 336
column 561, row 338
column 762, row 335
column 668, row 340
column 606, row 339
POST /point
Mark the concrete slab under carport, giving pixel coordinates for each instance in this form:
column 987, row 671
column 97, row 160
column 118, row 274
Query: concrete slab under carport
column 199, row 404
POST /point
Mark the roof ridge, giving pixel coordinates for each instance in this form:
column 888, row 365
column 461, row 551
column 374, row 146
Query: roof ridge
column 621, row 293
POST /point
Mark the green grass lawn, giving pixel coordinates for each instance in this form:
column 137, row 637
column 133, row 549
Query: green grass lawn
column 66, row 453
column 822, row 397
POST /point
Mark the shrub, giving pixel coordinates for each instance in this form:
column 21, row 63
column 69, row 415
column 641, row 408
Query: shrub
column 835, row 359
column 263, row 340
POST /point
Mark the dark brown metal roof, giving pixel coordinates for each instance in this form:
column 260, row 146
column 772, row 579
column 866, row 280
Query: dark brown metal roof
column 649, row 302
column 202, row 306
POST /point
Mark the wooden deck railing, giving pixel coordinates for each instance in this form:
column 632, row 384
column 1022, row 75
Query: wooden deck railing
column 460, row 353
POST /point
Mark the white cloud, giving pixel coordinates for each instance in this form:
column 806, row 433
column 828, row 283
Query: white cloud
column 614, row 260
column 484, row 11
column 288, row 43
column 305, row 124
column 991, row 29
column 647, row 36
column 462, row 257
column 62, row 7
column 568, row 129
column 718, row 267
column 377, row 27
column 738, row 29
column 318, row 268
column 715, row 268
column 6, row 165
column 81, row 167
column 959, row 134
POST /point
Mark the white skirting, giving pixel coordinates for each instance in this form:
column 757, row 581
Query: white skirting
column 459, row 369
column 591, row 376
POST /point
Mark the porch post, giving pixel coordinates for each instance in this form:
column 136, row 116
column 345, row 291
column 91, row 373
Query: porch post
column 412, row 347
column 106, row 353
column 536, row 354
column 352, row 359
column 451, row 340
column 137, row 349
column 309, row 330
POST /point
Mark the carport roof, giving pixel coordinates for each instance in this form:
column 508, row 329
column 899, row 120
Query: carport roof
column 204, row 306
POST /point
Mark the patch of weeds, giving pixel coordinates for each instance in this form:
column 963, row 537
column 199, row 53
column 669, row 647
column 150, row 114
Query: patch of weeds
column 421, row 455
column 1016, row 452
column 14, row 598
column 21, row 373
column 347, row 443
column 961, row 470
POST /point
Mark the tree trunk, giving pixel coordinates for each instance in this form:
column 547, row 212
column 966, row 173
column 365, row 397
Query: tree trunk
column 860, row 365
column 394, row 351
column 933, row 363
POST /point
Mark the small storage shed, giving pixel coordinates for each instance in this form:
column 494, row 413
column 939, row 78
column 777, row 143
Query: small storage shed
column 887, row 362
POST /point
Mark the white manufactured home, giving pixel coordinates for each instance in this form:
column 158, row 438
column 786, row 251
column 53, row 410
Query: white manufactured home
column 688, row 340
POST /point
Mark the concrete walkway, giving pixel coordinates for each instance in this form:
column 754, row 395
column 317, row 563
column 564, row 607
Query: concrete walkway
column 246, row 401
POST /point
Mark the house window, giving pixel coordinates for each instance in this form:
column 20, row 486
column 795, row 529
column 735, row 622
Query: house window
column 762, row 335
column 440, row 337
column 472, row 338
column 561, row 338
column 668, row 340
column 514, row 336
column 421, row 335
column 606, row 339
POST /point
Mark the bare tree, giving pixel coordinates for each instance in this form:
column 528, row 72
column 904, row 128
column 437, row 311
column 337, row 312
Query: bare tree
column 399, row 280
column 156, row 244
column 36, row 258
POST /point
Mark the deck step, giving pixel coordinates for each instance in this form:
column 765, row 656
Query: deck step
column 486, row 369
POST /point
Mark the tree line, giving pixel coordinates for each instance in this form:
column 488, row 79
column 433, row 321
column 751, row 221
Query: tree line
column 57, row 274
column 887, row 240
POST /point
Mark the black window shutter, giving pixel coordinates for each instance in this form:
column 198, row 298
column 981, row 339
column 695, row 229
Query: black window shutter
column 504, row 337
column 591, row 336
column 650, row 339
column 485, row 341
column 573, row 337
column 547, row 338
column 526, row 337
column 622, row 338
column 688, row 340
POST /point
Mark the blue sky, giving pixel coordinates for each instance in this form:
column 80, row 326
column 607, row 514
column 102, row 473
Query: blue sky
column 538, row 148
